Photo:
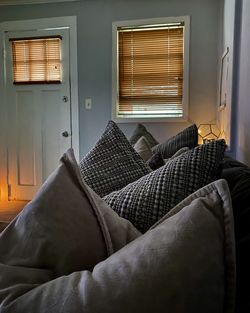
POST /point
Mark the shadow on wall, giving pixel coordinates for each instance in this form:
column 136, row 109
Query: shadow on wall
column 243, row 148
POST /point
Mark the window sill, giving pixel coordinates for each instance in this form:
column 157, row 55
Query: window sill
column 151, row 120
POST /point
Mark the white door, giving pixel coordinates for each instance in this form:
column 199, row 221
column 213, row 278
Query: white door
column 39, row 119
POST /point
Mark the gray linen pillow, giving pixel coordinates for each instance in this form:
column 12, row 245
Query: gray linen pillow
column 142, row 131
column 146, row 200
column 185, row 263
column 66, row 228
column 186, row 138
column 112, row 163
column 142, row 147
column 178, row 153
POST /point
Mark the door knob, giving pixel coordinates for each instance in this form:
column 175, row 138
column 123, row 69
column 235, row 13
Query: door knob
column 65, row 134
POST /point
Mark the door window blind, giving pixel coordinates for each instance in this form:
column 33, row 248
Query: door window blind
column 37, row 60
column 150, row 64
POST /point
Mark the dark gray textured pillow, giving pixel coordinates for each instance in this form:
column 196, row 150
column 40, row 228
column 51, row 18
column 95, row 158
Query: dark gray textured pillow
column 186, row 138
column 185, row 263
column 142, row 131
column 178, row 153
column 112, row 163
column 145, row 201
column 156, row 161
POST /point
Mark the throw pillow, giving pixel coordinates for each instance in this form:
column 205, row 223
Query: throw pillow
column 186, row 138
column 145, row 201
column 185, row 263
column 156, row 161
column 142, row 131
column 66, row 228
column 142, row 147
column 112, row 163
column 179, row 152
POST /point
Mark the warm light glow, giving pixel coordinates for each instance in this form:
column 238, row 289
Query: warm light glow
column 3, row 194
column 208, row 132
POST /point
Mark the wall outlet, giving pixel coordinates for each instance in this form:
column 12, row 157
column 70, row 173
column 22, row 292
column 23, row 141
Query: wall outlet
column 88, row 103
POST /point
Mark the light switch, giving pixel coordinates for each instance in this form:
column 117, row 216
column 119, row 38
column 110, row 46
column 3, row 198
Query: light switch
column 88, row 103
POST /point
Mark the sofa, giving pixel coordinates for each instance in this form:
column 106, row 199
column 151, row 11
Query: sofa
column 134, row 227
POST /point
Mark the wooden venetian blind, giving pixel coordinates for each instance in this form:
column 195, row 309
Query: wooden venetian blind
column 151, row 71
column 37, row 60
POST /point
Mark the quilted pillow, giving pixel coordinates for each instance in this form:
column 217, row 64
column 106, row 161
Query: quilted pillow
column 142, row 147
column 186, row 138
column 112, row 163
column 66, row 228
column 142, row 131
column 185, row 263
column 145, row 201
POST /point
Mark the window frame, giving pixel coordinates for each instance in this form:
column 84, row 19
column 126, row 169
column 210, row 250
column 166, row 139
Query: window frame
column 30, row 81
column 115, row 68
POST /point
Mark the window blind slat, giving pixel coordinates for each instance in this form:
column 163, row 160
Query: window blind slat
column 151, row 71
column 37, row 60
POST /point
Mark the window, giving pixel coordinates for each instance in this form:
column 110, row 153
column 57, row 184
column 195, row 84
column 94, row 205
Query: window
column 150, row 69
column 36, row 60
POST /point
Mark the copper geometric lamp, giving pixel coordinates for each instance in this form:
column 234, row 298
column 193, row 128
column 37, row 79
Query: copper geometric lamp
column 208, row 132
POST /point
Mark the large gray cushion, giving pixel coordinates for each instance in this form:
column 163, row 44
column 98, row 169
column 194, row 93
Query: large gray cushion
column 185, row 263
column 186, row 138
column 112, row 163
column 145, row 201
column 66, row 228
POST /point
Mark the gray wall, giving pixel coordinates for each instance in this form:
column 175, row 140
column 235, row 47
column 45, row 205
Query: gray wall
column 243, row 86
column 95, row 48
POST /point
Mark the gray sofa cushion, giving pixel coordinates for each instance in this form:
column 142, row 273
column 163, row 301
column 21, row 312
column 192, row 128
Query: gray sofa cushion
column 185, row 263
column 146, row 200
column 66, row 228
column 142, row 147
column 186, row 138
column 237, row 175
column 140, row 131
column 112, row 163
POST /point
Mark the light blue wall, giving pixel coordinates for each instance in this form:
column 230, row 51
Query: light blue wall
column 243, row 85
column 236, row 33
column 95, row 48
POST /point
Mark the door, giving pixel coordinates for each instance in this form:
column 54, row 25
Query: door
column 39, row 119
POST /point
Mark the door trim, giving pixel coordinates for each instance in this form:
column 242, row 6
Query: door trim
column 35, row 24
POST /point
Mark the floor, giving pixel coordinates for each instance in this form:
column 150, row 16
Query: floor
column 9, row 209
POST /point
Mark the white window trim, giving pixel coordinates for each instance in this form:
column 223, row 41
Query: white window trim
column 115, row 85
